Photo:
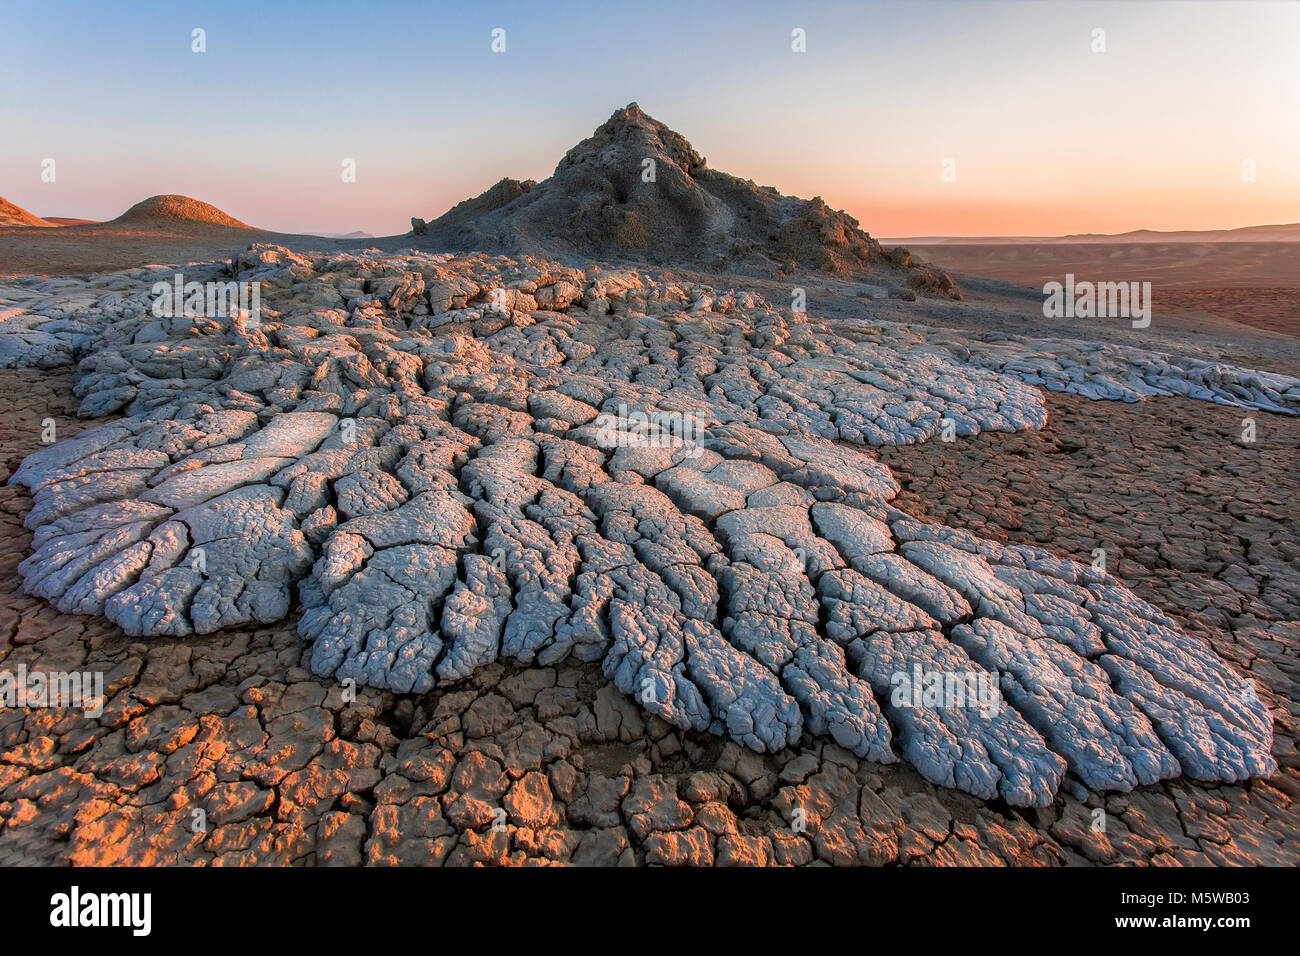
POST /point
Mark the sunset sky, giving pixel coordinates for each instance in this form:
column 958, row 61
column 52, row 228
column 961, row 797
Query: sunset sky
column 1048, row 136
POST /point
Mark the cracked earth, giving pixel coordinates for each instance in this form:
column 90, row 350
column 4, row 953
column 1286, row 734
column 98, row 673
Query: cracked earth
column 676, row 653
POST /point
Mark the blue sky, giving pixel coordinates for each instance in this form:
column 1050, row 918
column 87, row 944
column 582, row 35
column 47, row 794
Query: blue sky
column 1048, row 136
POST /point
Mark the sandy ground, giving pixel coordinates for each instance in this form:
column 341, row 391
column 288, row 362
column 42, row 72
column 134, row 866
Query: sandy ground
column 1172, row 265
column 1274, row 310
column 1255, row 285
column 104, row 247
column 542, row 765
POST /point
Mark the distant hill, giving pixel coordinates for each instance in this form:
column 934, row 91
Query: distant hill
column 1285, row 232
column 11, row 215
column 174, row 229
column 358, row 234
column 176, row 209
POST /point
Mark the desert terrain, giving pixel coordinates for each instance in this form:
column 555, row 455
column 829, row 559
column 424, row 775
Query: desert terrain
column 1246, row 282
column 162, row 229
column 466, row 628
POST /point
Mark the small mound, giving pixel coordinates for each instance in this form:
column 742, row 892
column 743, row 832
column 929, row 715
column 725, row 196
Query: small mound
column 11, row 215
column 173, row 208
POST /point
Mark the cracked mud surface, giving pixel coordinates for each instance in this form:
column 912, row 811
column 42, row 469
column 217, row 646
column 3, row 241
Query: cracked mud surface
column 438, row 459
column 552, row 764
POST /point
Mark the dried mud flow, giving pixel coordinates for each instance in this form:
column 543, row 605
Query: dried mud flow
column 452, row 557
column 438, row 458
column 550, row 764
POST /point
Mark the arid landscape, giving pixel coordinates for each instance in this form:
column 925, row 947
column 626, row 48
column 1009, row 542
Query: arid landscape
column 671, row 438
column 1251, row 283
column 597, row 520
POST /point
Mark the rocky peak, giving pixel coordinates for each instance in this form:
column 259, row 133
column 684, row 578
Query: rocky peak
column 636, row 189
column 631, row 135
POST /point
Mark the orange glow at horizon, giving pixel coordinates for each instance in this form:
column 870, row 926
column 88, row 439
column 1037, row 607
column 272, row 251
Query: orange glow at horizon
column 1048, row 136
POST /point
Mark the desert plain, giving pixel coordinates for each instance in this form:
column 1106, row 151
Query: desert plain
column 450, row 608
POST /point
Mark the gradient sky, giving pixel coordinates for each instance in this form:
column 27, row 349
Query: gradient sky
column 1049, row 137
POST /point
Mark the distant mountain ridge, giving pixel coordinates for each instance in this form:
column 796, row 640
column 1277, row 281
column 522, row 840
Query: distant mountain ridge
column 1283, row 232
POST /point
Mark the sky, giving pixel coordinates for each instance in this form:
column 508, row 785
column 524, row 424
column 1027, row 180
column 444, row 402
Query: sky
column 1045, row 134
